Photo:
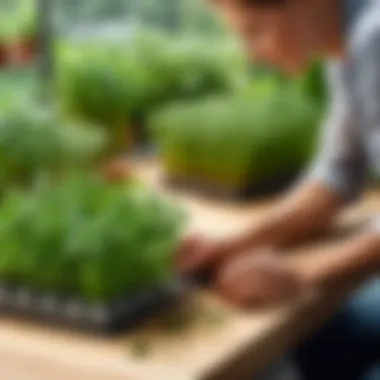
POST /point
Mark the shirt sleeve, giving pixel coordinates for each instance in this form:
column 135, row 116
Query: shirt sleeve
column 340, row 163
column 368, row 86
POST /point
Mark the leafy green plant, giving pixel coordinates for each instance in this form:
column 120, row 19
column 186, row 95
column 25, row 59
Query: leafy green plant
column 6, row 27
column 17, row 87
column 88, row 239
column 34, row 142
column 116, row 85
column 4, row 34
column 314, row 83
column 232, row 141
column 26, row 19
column 186, row 68
column 102, row 87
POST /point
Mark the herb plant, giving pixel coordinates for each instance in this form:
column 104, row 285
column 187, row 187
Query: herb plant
column 115, row 85
column 232, row 141
column 34, row 142
column 88, row 239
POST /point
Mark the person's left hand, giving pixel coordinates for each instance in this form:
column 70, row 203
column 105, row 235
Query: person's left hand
column 259, row 279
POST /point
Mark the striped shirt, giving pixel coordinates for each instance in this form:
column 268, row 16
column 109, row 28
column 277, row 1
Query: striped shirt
column 350, row 149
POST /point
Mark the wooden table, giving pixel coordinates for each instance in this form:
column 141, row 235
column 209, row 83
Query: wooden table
column 221, row 344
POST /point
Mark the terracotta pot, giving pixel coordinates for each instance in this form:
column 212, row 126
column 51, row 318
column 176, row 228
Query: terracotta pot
column 117, row 170
column 3, row 55
column 24, row 52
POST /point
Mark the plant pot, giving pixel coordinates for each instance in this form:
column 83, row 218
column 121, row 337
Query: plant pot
column 116, row 170
column 3, row 55
column 23, row 52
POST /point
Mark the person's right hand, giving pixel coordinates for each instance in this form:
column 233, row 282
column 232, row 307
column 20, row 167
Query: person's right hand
column 260, row 279
column 200, row 255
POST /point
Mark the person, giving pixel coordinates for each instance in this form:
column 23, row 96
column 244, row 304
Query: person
column 249, row 269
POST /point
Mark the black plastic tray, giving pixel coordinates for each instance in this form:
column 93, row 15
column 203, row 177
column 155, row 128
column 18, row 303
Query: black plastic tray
column 126, row 313
column 252, row 190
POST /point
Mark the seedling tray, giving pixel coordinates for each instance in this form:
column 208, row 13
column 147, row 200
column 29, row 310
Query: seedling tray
column 213, row 190
column 70, row 312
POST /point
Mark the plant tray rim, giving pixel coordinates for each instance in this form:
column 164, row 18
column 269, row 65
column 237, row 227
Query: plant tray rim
column 75, row 312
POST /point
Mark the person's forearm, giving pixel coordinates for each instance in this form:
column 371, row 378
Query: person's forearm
column 358, row 256
column 305, row 212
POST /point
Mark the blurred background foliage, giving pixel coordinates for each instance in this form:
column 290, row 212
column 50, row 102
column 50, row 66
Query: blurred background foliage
column 163, row 73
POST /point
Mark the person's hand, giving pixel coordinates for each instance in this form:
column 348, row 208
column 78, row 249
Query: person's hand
column 201, row 255
column 258, row 279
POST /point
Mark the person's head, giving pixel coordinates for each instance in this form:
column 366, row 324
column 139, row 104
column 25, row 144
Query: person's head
column 283, row 33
